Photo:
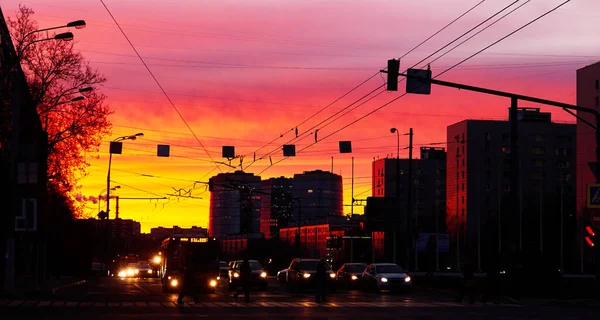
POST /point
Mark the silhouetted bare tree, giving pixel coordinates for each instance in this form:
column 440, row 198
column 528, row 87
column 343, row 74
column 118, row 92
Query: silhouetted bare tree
column 56, row 73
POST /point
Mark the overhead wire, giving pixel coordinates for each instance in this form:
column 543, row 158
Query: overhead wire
column 362, row 83
column 158, row 83
column 395, row 99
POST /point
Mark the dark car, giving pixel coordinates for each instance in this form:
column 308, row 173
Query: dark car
column 348, row 276
column 301, row 275
column 258, row 279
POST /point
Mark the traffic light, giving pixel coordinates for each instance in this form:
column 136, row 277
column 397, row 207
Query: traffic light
column 590, row 236
column 393, row 68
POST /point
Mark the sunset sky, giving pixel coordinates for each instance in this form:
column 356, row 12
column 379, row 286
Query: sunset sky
column 244, row 72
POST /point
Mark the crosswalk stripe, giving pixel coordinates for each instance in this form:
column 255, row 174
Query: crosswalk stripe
column 15, row 303
column 256, row 304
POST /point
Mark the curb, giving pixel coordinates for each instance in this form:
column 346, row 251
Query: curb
column 55, row 289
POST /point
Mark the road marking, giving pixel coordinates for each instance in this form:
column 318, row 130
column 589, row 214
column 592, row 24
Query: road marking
column 257, row 304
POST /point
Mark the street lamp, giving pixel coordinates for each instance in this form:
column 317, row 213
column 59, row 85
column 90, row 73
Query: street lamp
column 130, row 137
column 394, row 130
column 65, row 36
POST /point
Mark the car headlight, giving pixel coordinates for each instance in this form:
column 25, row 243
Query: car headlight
column 122, row 274
column 383, row 279
column 407, row 279
column 306, row 275
column 354, row 277
column 149, row 271
column 263, row 275
column 174, row 283
column 136, row 271
column 332, row 275
column 213, row 283
column 218, row 278
column 130, row 272
column 235, row 274
column 169, row 277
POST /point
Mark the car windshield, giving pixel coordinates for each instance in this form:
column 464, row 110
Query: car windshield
column 254, row 265
column 311, row 265
column 223, row 265
column 143, row 265
column 389, row 268
column 355, row 267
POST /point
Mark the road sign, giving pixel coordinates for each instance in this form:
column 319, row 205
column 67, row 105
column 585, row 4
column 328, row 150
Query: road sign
column 593, row 196
column 595, row 219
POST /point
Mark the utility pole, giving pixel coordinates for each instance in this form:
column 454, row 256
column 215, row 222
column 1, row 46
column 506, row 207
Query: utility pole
column 410, row 243
column 352, row 214
column 458, row 223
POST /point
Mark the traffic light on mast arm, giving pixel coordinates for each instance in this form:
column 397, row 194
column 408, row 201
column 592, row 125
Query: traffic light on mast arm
column 590, row 237
column 393, row 69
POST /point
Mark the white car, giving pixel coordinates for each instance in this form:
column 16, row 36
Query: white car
column 385, row 276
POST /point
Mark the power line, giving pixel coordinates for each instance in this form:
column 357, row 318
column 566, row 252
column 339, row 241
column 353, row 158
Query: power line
column 508, row 35
column 393, row 100
column 478, row 32
column 158, row 83
column 365, row 81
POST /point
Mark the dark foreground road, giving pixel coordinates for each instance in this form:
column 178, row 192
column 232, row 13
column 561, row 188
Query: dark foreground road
column 143, row 299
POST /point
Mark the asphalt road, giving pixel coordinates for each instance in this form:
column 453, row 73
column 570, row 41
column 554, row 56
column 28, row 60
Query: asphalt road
column 143, row 299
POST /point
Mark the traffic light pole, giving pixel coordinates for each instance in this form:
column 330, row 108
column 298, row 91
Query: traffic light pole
column 514, row 129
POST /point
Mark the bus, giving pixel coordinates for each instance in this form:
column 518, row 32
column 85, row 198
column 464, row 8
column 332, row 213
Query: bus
column 204, row 253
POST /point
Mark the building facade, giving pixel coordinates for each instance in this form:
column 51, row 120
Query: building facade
column 588, row 96
column 235, row 204
column 276, row 206
column 24, row 222
column 429, row 186
column 478, row 214
column 321, row 195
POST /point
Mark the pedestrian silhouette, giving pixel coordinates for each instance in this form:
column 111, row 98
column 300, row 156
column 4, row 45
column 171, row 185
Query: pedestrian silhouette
column 245, row 275
column 187, row 287
column 467, row 285
column 321, row 281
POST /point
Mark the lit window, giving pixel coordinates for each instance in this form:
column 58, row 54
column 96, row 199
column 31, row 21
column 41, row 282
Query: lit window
column 310, row 191
column 506, row 150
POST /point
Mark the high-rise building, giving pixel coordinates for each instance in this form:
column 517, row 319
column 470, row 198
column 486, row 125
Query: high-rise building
column 429, row 186
column 322, row 196
column 588, row 96
column 235, row 202
column 478, row 188
column 276, row 206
